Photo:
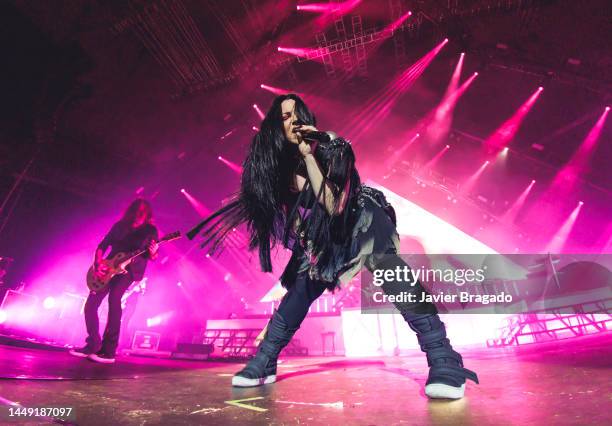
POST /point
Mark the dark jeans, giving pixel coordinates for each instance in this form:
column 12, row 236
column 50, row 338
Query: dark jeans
column 294, row 305
column 115, row 289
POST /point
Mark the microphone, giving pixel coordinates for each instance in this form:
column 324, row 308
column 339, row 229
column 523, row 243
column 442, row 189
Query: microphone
column 315, row 136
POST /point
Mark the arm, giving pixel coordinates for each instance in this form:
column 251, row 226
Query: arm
column 326, row 196
column 153, row 246
column 98, row 256
column 106, row 242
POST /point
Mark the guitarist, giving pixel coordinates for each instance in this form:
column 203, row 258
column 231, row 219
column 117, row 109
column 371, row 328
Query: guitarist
column 134, row 231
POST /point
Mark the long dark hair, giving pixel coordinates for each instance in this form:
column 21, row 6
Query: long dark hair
column 262, row 201
column 267, row 170
column 129, row 215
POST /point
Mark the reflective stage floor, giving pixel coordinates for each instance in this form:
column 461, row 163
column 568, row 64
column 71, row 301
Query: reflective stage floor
column 565, row 382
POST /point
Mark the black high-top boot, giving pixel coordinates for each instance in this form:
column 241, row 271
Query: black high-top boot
column 446, row 373
column 261, row 369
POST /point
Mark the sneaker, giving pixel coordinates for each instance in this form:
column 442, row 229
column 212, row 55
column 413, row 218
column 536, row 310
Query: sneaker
column 442, row 391
column 241, row 381
column 102, row 357
column 83, row 352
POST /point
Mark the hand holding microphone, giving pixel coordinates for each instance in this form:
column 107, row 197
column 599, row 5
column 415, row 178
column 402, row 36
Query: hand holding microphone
column 310, row 133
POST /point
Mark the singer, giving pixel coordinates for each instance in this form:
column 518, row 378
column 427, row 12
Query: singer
column 300, row 187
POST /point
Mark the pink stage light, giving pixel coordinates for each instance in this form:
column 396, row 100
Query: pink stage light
column 471, row 181
column 512, row 212
column 454, row 81
column 259, row 112
column 49, row 302
column 235, row 167
column 255, row 128
column 399, row 21
column 436, row 158
column 439, row 127
column 539, row 144
column 315, row 7
column 379, row 107
column 558, row 241
column 297, row 51
column 331, row 7
column 197, row 205
column 312, row 54
column 506, row 132
column 275, row 90
column 438, row 121
column 3, row 316
column 567, row 177
column 393, row 158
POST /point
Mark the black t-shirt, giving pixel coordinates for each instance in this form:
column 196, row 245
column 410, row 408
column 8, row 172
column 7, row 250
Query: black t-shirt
column 123, row 238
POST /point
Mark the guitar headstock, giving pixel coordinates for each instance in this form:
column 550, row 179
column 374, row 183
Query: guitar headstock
column 169, row 237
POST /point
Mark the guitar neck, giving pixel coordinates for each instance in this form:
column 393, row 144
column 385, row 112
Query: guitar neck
column 137, row 253
column 165, row 239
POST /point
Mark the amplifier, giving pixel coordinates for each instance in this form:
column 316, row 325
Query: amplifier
column 146, row 341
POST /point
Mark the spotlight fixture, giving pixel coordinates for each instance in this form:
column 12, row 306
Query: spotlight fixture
column 49, row 303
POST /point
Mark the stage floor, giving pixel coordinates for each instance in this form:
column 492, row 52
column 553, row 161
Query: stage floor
column 562, row 383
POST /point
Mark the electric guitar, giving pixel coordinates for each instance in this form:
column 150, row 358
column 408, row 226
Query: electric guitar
column 116, row 265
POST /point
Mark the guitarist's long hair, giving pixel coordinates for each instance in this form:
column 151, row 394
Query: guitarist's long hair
column 129, row 216
column 263, row 199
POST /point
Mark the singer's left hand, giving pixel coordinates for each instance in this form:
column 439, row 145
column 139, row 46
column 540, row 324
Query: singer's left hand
column 305, row 128
column 305, row 147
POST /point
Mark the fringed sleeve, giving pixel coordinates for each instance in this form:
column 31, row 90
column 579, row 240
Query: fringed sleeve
column 215, row 227
column 340, row 175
